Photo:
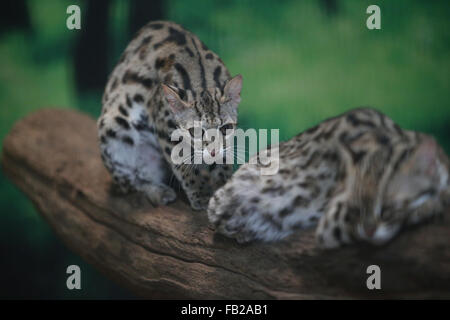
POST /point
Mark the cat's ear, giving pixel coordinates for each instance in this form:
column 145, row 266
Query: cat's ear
column 424, row 159
column 232, row 90
column 176, row 103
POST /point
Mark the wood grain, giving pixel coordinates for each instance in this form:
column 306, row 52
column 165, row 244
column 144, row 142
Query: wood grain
column 172, row 252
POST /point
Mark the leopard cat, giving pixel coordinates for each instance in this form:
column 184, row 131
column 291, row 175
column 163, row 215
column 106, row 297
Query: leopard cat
column 357, row 177
column 167, row 79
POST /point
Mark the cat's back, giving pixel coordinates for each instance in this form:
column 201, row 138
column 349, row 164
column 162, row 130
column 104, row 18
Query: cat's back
column 319, row 158
column 165, row 52
column 312, row 167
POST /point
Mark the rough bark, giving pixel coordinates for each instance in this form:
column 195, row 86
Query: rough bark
column 172, row 252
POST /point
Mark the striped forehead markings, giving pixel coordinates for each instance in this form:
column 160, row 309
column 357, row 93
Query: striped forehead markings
column 185, row 76
column 200, row 63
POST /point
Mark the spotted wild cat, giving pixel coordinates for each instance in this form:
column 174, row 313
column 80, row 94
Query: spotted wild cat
column 166, row 79
column 358, row 176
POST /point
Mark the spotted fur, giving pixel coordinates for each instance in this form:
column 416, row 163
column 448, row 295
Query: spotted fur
column 166, row 79
column 357, row 177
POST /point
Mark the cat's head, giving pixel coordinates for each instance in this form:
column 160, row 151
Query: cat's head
column 201, row 115
column 420, row 179
column 417, row 185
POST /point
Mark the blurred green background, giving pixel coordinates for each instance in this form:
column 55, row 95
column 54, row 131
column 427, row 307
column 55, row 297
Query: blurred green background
column 302, row 61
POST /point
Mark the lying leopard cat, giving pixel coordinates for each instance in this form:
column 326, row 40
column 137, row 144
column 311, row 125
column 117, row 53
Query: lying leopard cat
column 166, row 79
column 359, row 176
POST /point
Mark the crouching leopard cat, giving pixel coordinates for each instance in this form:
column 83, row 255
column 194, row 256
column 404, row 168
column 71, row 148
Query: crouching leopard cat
column 166, row 79
column 359, row 176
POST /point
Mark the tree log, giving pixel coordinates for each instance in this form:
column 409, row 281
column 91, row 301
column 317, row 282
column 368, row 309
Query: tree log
column 173, row 252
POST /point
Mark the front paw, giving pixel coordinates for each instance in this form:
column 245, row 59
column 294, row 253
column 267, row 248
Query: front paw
column 160, row 194
column 167, row 196
column 199, row 203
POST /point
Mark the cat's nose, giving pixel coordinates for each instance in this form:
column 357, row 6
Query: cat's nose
column 213, row 152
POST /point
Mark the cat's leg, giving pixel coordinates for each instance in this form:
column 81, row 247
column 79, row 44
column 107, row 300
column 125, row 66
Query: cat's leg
column 223, row 211
column 238, row 216
column 200, row 183
column 334, row 227
column 131, row 154
column 254, row 207
column 235, row 209
column 344, row 224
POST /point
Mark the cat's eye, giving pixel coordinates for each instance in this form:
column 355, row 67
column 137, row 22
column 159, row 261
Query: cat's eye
column 225, row 127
